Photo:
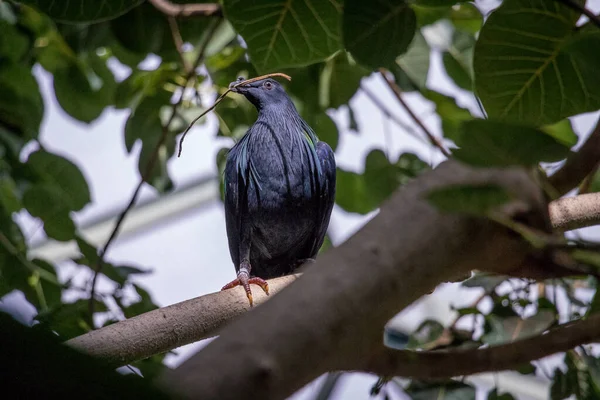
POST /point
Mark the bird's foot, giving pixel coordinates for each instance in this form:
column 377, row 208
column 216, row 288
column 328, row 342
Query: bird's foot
column 243, row 279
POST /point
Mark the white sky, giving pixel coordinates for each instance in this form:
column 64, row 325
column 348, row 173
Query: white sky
column 189, row 255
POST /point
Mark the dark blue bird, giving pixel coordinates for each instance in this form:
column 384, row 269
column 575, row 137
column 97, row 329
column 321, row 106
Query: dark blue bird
column 279, row 190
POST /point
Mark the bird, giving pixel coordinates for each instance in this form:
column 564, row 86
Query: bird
column 279, row 189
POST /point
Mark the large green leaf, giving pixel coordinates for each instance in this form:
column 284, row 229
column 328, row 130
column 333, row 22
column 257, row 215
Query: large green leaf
column 46, row 202
column 378, row 32
column 362, row 193
column 13, row 44
column 452, row 114
column 64, row 176
column 490, row 143
column 458, row 59
column 80, row 11
column 533, row 66
column 339, row 81
column 85, row 88
column 21, row 104
column 412, row 67
column 290, row 33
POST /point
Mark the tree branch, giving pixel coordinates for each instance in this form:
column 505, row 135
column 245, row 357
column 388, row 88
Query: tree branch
column 579, row 165
column 443, row 364
column 354, row 289
column 187, row 10
column 576, row 212
column 167, row 328
column 398, row 93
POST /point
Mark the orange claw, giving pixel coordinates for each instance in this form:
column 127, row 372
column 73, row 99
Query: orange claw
column 242, row 280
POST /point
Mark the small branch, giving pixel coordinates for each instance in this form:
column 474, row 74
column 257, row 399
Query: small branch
column 187, row 10
column 149, row 166
column 453, row 363
column 579, row 8
column 389, row 114
column 570, row 213
column 161, row 330
column 398, row 93
column 178, row 41
column 579, row 165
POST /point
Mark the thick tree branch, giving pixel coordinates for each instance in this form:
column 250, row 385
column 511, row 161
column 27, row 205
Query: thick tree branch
column 167, row 328
column 187, row 10
column 441, row 364
column 576, row 212
column 579, row 165
column 334, row 314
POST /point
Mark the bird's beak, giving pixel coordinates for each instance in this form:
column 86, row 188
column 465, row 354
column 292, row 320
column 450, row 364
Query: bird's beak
column 239, row 89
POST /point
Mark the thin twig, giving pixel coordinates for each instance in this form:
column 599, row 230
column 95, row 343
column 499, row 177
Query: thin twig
column 178, row 40
column 398, row 93
column 578, row 7
column 149, row 166
column 389, row 114
column 221, row 97
column 187, row 10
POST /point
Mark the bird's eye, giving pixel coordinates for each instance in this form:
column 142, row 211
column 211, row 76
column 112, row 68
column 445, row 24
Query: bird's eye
column 268, row 85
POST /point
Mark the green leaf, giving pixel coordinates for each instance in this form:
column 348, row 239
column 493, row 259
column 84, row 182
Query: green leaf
column 279, row 35
column 412, row 67
column 451, row 114
column 485, row 280
column 51, row 291
column 325, row 128
column 362, row 193
column 493, row 395
column 505, row 330
column 340, row 80
column 562, row 131
column 141, row 84
column 47, row 203
column 84, row 89
column 458, row 60
column 487, row 143
column 70, row 319
column 468, row 199
column 466, row 17
column 142, row 30
column 13, row 44
column 81, row 11
column 378, row 32
column 67, row 181
column 9, row 198
column 440, row 391
column 426, row 336
column 532, row 65
column 21, row 104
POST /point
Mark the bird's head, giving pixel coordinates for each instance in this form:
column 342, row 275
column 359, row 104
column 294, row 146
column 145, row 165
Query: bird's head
column 262, row 93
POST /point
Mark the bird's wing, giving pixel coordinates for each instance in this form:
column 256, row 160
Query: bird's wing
column 326, row 199
column 238, row 175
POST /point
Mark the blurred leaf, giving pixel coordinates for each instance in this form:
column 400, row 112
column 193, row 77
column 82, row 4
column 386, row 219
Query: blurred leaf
column 562, row 131
column 13, row 44
column 141, row 84
column 485, row 280
column 325, row 128
column 429, row 335
column 451, row 114
column 14, row 275
column 466, row 17
column 9, row 199
column 578, row 381
column 80, row 11
column 486, row 143
column 47, row 203
column 411, row 68
column 69, row 319
column 21, row 104
column 152, row 367
column 458, row 60
column 141, row 30
column 145, row 304
column 51, row 291
column 468, row 199
column 493, row 395
column 506, row 330
column 362, row 193
column 85, row 89
column 282, row 35
column 440, row 391
column 65, row 177
column 341, row 80
column 376, row 33
column 533, row 66
column 429, row 15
